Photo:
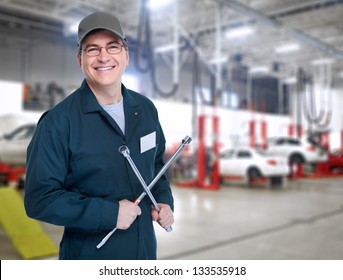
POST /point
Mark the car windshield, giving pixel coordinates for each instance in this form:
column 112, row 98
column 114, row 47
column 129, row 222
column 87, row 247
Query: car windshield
column 283, row 141
column 227, row 154
column 262, row 152
column 21, row 133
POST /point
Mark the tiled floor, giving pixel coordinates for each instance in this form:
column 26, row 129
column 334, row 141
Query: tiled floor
column 302, row 220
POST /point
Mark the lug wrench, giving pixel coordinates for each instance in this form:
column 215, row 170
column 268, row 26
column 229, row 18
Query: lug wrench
column 124, row 150
column 184, row 142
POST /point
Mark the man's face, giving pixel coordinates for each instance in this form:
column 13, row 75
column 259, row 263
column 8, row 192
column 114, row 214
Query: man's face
column 103, row 70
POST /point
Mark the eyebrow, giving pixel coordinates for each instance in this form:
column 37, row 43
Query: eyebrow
column 109, row 43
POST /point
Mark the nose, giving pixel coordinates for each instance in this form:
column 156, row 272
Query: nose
column 103, row 56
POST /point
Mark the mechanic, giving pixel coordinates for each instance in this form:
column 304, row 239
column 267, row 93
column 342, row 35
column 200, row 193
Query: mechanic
column 76, row 177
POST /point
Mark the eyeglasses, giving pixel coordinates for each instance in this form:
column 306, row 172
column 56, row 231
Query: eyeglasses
column 113, row 48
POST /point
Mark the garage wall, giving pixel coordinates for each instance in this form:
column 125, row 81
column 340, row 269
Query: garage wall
column 57, row 63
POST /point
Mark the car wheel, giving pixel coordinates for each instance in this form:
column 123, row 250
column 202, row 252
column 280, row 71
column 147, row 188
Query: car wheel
column 254, row 173
column 296, row 159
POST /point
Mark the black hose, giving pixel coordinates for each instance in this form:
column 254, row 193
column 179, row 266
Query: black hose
column 143, row 47
column 322, row 119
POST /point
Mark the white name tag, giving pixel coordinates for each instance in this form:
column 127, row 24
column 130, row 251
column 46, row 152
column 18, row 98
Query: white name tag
column 148, row 142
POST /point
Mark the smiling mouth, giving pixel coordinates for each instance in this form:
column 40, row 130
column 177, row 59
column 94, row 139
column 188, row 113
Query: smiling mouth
column 104, row 68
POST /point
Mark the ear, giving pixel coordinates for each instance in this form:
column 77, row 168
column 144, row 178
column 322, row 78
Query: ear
column 127, row 57
column 79, row 60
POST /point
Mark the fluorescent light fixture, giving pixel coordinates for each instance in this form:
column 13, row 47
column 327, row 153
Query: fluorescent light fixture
column 158, row 4
column 70, row 28
column 73, row 28
column 287, row 48
column 290, row 80
column 322, row 61
column 219, row 60
column 239, row 32
column 259, row 69
column 166, row 48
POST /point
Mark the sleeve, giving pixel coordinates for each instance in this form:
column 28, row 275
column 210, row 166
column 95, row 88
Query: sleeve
column 46, row 197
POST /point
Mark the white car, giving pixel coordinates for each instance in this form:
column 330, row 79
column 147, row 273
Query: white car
column 13, row 145
column 251, row 164
column 304, row 150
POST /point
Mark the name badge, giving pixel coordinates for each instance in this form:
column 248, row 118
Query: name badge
column 148, row 142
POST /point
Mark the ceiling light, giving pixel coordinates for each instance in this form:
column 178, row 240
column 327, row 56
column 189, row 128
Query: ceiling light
column 219, row 60
column 322, row 61
column 74, row 27
column 70, row 28
column 239, row 32
column 259, row 69
column 287, row 48
column 158, row 4
column 290, row 80
column 165, row 48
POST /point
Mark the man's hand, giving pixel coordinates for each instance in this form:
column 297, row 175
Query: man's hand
column 165, row 218
column 128, row 212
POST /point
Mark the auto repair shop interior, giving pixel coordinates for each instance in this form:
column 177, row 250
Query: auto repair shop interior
column 258, row 85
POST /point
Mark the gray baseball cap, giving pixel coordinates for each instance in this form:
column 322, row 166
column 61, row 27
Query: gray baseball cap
column 100, row 20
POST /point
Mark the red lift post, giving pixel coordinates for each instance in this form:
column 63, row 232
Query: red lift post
column 10, row 175
column 263, row 127
column 214, row 177
column 201, row 164
column 296, row 169
column 252, row 128
column 252, row 139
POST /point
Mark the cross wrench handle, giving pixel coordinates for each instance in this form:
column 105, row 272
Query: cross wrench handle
column 184, row 142
column 124, row 150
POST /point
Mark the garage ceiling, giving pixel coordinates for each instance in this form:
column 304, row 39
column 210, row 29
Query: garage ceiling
column 315, row 25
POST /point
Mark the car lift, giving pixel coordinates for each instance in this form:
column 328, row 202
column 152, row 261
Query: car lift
column 297, row 170
column 26, row 235
column 214, row 178
column 11, row 175
column 323, row 168
column 253, row 144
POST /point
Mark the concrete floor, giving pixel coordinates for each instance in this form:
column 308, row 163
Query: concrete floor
column 302, row 220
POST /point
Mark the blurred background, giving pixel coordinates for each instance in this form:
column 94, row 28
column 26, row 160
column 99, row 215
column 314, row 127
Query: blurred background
column 258, row 86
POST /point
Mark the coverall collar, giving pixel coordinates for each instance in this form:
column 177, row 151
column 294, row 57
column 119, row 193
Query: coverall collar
column 90, row 104
column 132, row 110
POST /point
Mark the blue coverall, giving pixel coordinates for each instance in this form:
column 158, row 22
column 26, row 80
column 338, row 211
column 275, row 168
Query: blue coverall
column 75, row 176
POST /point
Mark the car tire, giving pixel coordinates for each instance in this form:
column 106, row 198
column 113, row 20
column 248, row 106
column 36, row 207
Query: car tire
column 296, row 159
column 254, row 173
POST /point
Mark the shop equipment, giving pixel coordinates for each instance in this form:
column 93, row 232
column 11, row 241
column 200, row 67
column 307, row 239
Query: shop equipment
column 26, row 235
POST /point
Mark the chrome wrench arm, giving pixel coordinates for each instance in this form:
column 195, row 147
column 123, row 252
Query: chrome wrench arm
column 124, row 150
column 184, row 142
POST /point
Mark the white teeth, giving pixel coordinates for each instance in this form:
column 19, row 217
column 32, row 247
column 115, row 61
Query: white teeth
column 104, row 68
